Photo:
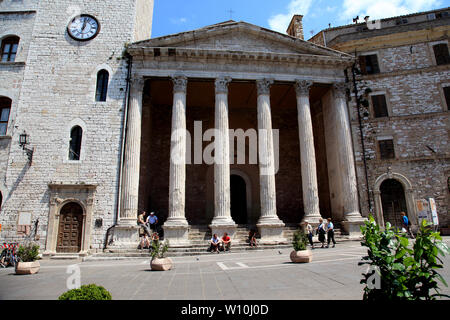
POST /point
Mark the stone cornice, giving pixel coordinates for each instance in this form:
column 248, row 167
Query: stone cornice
column 65, row 186
column 148, row 53
column 400, row 73
column 403, row 117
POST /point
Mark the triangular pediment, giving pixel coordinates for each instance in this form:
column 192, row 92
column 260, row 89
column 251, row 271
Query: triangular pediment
column 239, row 37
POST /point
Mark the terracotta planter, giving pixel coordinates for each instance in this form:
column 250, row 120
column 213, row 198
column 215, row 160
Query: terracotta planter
column 27, row 267
column 163, row 264
column 303, row 256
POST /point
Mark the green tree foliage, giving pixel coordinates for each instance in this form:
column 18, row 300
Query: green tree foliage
column 87, row 292
column 28, row 252
column 159, row 250
column 300, row 241
column 404, row 273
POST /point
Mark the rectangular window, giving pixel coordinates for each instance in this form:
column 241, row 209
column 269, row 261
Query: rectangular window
column 5, row 107
column 379, row 106
column 369, row 64
column 447, row 96
column 441, row 54
column 386, row 149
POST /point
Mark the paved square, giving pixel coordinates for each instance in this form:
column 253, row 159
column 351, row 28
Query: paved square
column 260, row 275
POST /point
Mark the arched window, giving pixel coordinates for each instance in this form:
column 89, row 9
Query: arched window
column 5, row 108
column 102, row 85
column 9, row 48
column 75, row 143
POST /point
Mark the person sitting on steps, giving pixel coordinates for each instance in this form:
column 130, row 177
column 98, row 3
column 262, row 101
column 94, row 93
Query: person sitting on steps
column 226, row 242
column 252, row 238
column 214, row 244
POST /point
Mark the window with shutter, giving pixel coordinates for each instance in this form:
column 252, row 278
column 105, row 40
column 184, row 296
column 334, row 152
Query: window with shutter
column 386, row 149
column 441, row 54
column 447, row 96
column 379, row 106
column 369, row 64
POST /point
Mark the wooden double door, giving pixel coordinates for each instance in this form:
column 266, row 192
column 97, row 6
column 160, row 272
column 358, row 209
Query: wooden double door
column 70, row 228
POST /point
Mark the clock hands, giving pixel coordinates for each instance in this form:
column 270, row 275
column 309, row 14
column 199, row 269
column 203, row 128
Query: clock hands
column 84, row 25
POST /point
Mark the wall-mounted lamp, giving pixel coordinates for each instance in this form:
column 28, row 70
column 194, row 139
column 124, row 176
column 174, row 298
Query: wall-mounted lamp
column 23, row 141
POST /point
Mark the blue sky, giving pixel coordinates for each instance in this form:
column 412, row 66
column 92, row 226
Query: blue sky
column 183, row 15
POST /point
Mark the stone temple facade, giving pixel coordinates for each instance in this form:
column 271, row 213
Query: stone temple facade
column 227, row 126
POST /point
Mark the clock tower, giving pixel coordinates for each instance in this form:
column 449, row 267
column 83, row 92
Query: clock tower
column 66, row 86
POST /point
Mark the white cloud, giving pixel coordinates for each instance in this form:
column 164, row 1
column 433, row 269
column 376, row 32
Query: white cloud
column 178, row 20
column 280, row 22
column 384, row 8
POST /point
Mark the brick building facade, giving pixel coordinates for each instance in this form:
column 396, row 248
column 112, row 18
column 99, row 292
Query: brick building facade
column 403, row 83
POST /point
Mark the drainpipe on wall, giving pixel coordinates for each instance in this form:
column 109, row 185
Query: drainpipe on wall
column 122, row 149
column 358, row 107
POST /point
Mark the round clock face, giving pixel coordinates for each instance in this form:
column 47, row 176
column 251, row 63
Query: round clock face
column 83, row 27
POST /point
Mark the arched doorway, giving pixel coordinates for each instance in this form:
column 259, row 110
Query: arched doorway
column 238, row 194
column 393, row 202
column 70, row 228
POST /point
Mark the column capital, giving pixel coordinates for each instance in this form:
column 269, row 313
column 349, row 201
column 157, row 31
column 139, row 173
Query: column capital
column 179, row 83
column 340, row 89
column 137, row 82
column 221, row 84
column 263, row 86
column 302, row 87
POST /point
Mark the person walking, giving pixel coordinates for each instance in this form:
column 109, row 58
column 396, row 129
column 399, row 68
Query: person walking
column 152, row 221
column 330, row 233
column 406, row 225
column 142, row 224
column 309, row 231
column 321, row 232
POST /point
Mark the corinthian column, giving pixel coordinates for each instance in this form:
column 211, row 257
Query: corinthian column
column 222, row 221
column 270, row 226
column 352, row 216
column 131, row 165
column 176, row 224
column 307, row 153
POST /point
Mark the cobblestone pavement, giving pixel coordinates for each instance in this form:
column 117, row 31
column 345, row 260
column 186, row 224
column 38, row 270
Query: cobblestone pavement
column 333, row 274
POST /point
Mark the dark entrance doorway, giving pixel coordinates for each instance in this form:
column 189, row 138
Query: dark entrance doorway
column 393, row 201
column 238, row 195
column 70, row 228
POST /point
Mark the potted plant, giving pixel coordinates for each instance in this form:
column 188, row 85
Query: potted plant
column 27, row 259
column 158, row 262
column 300, row 254
column 87, row 292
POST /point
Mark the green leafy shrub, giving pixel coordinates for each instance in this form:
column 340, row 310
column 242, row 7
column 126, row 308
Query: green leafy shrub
column 159, row 250
column 28, row 252
column 300, row 241
column 86, row 292
column 404, row 273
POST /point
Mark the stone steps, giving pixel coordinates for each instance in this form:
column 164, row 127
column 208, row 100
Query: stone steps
column 199, row 237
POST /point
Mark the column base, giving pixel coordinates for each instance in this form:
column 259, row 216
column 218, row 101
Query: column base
column 220, row 227
column 271, row 231
column 176, row 232
column 124, row 237
column 352, row 228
